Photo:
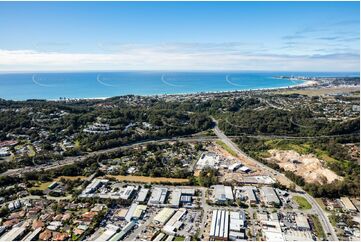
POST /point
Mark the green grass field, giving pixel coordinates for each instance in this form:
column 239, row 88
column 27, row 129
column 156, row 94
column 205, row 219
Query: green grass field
column 178, row 238
column 302, row 202
column 225, row 147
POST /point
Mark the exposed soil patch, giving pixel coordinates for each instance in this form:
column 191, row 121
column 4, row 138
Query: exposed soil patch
column 307, row 166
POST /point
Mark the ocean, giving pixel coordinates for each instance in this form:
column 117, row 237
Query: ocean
column 52, row 85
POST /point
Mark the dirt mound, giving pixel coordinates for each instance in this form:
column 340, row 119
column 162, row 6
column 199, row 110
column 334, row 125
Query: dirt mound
column 307, row 166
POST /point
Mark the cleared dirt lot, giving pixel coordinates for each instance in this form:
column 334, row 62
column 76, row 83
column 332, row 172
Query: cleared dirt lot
column 308, row 166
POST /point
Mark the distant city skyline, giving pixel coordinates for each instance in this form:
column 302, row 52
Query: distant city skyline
column 200, row 36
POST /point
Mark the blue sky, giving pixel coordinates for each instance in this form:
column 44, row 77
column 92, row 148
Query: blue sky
column 303, row 36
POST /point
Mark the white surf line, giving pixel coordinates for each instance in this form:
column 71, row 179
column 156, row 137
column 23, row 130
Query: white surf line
column 168, row 83
column 40, row 84
column 104, row 83
column 232, row 83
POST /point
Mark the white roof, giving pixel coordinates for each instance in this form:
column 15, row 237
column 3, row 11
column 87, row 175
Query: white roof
column 174, row 222
column 176, row 195
column 237, row 220
column 111, row 230
column 234, row 166
column 245, row 168
column 159, row 237
column 13, row 234
column 32, row 235
column 142, row 195
column 220, row 224
column 130, row 212
column 164, row 215
column 270, row 195
column 302, row 222
column 128, row 192
column 222, row 193
column 228, row 192
column 158, row 195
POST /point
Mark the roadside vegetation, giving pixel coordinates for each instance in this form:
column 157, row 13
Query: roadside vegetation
column 302, row 202
column 318, row 227
column 227, row 148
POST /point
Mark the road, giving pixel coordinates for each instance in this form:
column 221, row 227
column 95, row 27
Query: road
column 330, row 233
column 72, row 160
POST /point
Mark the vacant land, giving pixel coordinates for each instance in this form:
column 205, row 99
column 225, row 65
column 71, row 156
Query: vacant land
column 44, row 185
column 307, row 166
column 302, row 202
column 147, row 179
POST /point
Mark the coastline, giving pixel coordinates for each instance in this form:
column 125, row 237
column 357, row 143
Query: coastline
column 304, row 84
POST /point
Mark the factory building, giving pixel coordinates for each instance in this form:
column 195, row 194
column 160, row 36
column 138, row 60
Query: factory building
column 181, row 196
column 94, row 185
column 135, row 212
column 32, row 235
column 220, row 225
column 158, row 196
column 234, row 166
column 269, row 196
column 175, row 198
column 129, row 192
column 159, row 237
column 139, row 212
column 127, row 228
column 237, row 225
column 122, row 213
column 302, row 222
column 142, row 195
column 130, row 212
column 272, row 230
column 173, row 225
column 14, row 234
column 251, row 195
column 245, row 169
column 223, row 194
column 110, row 231
column 257, row 180
column 164, row 215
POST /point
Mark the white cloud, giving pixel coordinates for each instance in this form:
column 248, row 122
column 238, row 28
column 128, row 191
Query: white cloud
column 177, row 56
